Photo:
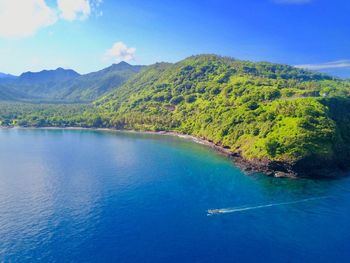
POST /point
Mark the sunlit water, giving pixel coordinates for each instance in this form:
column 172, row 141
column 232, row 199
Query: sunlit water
column 85, row 196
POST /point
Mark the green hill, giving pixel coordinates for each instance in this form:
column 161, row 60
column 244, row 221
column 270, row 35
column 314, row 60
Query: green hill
column 270, row 115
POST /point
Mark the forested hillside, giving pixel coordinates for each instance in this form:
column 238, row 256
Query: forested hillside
column 276, row 117
column 91, row 86
column 261, row 111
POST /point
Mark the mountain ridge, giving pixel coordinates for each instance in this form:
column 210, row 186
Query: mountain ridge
column 66, row 84
column 7, row 76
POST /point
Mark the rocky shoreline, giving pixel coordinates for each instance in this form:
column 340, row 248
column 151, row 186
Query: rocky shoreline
column 301, row 169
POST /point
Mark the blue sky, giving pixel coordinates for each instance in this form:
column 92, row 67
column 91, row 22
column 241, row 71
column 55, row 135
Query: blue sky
column 89, row 35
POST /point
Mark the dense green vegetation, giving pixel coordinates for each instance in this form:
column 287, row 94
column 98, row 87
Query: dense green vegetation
column 45, row 115
column 261, row 111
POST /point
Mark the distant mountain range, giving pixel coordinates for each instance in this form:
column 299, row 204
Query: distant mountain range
column 6, row 76
column 64, row 84
column 47, row 76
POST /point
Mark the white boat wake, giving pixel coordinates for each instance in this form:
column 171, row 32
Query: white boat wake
column 242, row 209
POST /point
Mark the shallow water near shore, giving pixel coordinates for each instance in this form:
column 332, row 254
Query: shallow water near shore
column 97, row 196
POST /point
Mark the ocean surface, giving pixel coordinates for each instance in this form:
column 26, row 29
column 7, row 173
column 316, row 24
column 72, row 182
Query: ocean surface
column 91, row 196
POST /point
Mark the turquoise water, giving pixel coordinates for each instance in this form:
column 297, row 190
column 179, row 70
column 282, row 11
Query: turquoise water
column 87, row 196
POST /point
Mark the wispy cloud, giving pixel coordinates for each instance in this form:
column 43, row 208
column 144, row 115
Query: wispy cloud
column 71, row 10
column 292, row 2
column 119, row 51
column 328, row 65
column 19, row 18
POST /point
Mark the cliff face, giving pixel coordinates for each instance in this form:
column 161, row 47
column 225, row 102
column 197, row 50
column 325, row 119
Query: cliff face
column 310, row 167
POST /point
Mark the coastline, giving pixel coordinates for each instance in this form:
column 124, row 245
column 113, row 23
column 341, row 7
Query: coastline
column 269, row 168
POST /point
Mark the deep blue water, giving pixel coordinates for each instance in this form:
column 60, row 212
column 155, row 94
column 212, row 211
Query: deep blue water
column 87, row 196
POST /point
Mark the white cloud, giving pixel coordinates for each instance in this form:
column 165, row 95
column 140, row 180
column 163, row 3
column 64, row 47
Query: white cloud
column 327, row 65
column 23, row 18
column 292, row 2
column 20, row 18
column 120, row 51
column 96, row 3
column 74, row 9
